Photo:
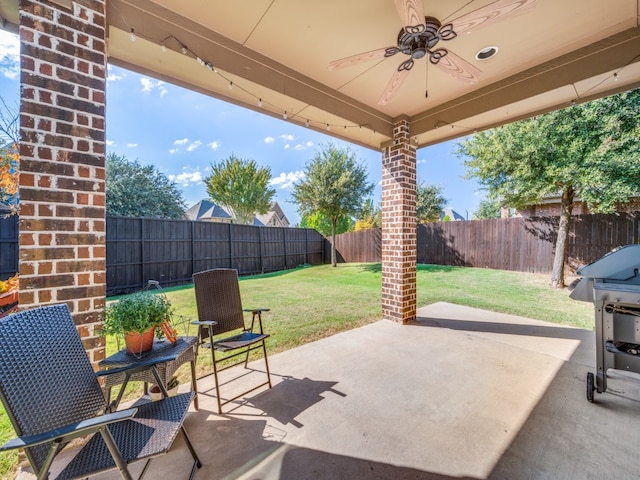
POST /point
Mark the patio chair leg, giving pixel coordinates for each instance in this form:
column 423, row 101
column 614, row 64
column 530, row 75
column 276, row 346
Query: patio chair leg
column 115, row 453
column 196, row 461
column 215, row 377
column 266, row 362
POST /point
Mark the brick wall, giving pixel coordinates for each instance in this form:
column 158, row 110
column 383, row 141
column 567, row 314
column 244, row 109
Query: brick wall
column 399, row 227
column 62, row 167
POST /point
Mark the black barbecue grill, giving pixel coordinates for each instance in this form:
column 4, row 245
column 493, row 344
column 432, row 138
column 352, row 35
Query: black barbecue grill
column 612, row 283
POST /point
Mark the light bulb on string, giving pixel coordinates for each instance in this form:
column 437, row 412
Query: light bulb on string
column 184, row 50
column 260, row 102
column 328, row 127
column 230, row 85
column 163, row 48
column 285, row 116
column 306, row 124
column 132, row 35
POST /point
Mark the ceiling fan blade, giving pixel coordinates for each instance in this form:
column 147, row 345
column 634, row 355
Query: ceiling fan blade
column 410, row 11
column 459, row 68
column 392, row 87
column 492, row 13
column 356, row 59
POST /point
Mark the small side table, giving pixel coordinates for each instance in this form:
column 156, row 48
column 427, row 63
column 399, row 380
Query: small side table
column 184, row 348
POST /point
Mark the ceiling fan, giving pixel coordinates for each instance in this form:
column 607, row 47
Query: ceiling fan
column 421, row 36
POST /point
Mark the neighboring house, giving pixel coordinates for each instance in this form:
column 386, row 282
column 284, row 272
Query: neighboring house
column 451, row 215
column 275, row 217
column 551, row 206
column 207, row 211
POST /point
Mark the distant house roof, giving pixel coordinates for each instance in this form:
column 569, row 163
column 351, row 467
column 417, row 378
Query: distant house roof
column 452, row 214
column 206, row 210
column 275, row 217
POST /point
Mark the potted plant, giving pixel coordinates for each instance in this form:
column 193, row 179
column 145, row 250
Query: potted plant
column 172, row 389
column 137, row 317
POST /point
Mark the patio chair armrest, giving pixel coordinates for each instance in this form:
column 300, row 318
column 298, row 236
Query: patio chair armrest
column 206, row 323
column 137, row 367
column 256, row 310
column 71, row 431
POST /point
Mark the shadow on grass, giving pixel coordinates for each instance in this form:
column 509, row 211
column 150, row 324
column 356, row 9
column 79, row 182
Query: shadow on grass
column 377, row 268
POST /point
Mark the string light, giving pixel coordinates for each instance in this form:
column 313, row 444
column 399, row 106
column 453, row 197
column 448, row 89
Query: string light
column 230, row 85
column 132, row 35
column 616, row 77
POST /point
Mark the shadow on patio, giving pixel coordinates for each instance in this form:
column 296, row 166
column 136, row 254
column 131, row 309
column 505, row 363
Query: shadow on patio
column 463, row 393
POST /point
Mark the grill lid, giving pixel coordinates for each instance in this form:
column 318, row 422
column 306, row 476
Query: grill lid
column 620, row 264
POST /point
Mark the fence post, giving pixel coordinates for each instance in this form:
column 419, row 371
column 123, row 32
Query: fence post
column 306, row 246
column 261, row 239
column 142, row 256
column 193, row 247
column 284, row 246
column 230, row 247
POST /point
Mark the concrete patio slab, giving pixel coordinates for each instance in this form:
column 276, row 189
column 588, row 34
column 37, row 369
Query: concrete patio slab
column 463, row 393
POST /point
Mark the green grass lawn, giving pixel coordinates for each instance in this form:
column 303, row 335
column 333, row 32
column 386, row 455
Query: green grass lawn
column 315, row 302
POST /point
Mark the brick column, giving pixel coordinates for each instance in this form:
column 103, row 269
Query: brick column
column 62, row 160
column 399, row 227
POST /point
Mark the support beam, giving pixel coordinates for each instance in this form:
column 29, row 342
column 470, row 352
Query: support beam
column 62, row 161
column 399, row 227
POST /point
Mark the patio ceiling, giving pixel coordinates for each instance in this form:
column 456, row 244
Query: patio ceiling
column 273, row 56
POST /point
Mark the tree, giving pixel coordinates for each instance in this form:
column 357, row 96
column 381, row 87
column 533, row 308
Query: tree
column 590, row 150
column 335, row 185
column 241, row 186
column 487, row 209
column 370, row 216
column 135, row 190
column 318, row 221
column 9, row 157
column 429, row 203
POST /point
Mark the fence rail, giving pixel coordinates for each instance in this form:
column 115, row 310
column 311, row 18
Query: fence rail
column 170, row 251
column 519, row 244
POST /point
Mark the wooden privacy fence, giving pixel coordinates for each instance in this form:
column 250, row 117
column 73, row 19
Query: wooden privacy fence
column 170, row 251
column 519, row 244
column 139, row 249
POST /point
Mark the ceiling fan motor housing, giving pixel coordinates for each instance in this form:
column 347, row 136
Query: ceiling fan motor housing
column 419, row 40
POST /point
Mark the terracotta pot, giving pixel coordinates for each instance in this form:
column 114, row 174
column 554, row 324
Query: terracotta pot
column 8, row 298
column 139, row 342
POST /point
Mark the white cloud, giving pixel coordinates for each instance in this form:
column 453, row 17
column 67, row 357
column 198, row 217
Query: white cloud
column 110, row 143
column 184, row 141
column 303, row 146
column 132, row 145
column 173, row 150
column 287, row 137
column 287, row 146
column 269, row 140
column 194, row 145
column 286, row 180
column 214, row 145
column 186, row 178
column 9, row 55
column 149, row 86
column 421, row 160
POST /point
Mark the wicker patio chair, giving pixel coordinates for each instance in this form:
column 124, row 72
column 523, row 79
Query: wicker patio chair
column 52, row 396
column 220, row 311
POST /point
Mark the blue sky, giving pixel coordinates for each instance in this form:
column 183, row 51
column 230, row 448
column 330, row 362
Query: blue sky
column 183, row 132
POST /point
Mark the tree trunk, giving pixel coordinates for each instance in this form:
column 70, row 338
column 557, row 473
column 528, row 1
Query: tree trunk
column 334, row 262
column 562, row 242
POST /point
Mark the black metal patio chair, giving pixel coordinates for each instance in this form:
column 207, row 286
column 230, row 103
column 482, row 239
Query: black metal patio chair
column 52, row 396
column 220, row 311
